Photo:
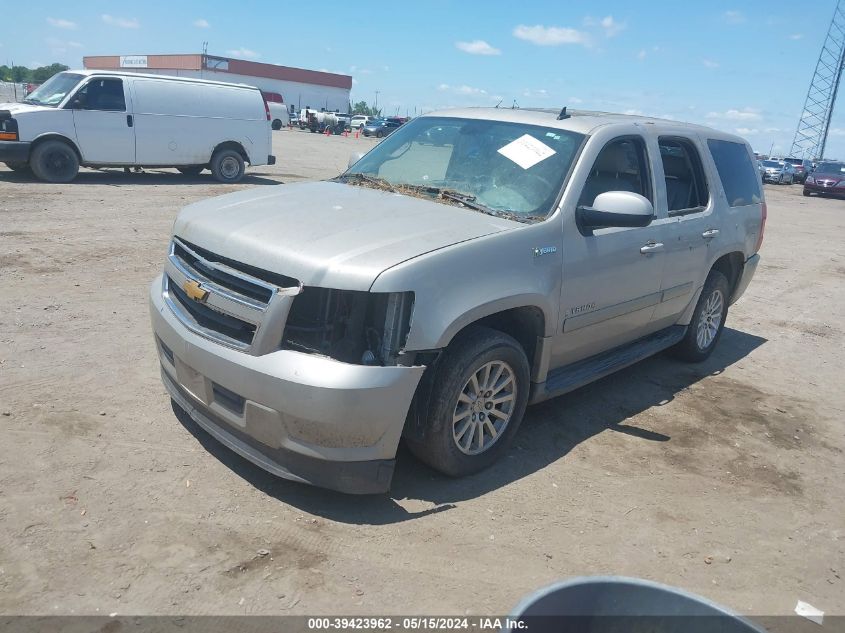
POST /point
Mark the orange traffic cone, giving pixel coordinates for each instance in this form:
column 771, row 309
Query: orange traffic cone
column 357, row 132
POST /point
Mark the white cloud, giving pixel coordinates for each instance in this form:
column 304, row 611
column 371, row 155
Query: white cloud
column 61, row 23
column 772, row 130
column 747, row 130
column 461, row 90
column 575, row 100
column 709, row 63
column 551, row 35
column 61, row 46
column 201, row 23
column 246, row 53
column 633, row 112
column 542, row 93
column 124, row 23
column 796, row 36
column 733, row 17
column 469, row 90
column 611, row 27
column 477, row 47
column 746, row 114
column 642, row 54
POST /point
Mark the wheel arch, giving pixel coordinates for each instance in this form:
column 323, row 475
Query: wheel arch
column 231, row 145
column 53, row 136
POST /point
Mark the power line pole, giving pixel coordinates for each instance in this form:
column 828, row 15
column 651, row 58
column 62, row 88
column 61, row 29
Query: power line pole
column 813, row 127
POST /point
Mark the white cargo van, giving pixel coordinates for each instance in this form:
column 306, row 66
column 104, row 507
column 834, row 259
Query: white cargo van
column 103, row 118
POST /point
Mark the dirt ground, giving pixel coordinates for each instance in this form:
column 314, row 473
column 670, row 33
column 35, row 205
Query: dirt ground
column 726, row 478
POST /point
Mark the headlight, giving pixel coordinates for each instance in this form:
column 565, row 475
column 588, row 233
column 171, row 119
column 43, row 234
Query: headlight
column 809, row 180
column 352, row 326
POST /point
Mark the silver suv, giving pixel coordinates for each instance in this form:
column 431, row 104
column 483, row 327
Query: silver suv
column 474, row 262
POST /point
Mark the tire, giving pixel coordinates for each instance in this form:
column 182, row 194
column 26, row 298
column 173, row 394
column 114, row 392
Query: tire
column 806, row 193
column 379, row 134
column 191, row 170
column 483, row 355
column 704, row 332
column 227, row 165
column 276, row 125
column 19, row 167
column 54, row 161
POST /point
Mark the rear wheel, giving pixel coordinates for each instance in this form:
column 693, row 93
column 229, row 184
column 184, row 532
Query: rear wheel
column 191, row 170
column 227, row 165
column 379, row 134
column 708, row 320
column 477, row 402
column 54, row 161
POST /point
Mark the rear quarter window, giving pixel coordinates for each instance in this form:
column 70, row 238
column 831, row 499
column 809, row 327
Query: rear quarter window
column 739, row 178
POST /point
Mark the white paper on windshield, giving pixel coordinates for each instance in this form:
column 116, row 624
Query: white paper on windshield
column 526, row 151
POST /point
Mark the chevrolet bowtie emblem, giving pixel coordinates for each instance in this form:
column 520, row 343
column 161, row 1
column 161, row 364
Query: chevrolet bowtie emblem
column 195, row 291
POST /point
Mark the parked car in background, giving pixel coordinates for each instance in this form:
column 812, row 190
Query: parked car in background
column 117, row 119
column 828, row 178
column 359, row 120
column 431, row 293
column 279, row 115
column 778, row 172
column 380, row 128
column 802, row 166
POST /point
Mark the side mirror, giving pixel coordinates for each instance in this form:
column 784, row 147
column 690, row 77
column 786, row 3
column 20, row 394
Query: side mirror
column 354, row 158
column 615, row 208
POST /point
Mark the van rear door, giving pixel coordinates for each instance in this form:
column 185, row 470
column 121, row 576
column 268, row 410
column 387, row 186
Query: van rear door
column 102, row 116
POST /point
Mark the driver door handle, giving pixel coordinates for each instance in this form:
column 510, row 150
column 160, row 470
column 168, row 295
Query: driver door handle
column 709, row 234
column 651, row 247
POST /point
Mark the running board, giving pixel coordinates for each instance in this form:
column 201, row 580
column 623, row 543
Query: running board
column 571, row 377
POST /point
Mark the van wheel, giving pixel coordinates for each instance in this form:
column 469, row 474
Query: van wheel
column 227, row 165
column 54, row 161
column 15, row 166
column 276, row 125
column 478, row 399
column 708, row 320
column 191, row 170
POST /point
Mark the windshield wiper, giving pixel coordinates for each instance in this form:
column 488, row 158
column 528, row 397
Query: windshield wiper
column 470, row 201
column 381, row 183
column 31, row 101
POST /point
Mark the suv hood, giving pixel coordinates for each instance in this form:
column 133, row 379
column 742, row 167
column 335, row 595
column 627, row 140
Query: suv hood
column 328, row 234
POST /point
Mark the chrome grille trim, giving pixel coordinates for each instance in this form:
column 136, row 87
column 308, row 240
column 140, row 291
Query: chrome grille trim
column 265, row 319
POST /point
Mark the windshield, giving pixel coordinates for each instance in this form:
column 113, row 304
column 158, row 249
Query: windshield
column 771, row 163
column 51, row 92
column 830, row 168
column 510, row 169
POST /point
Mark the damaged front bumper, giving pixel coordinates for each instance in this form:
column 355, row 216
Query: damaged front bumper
column 299, row 416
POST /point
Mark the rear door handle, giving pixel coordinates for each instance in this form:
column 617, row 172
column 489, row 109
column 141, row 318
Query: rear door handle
column 651, row 247
column 709, row 234
column 129, row 120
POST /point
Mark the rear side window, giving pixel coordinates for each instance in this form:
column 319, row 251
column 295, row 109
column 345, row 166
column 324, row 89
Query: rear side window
column 686, row 186
column 738, row 176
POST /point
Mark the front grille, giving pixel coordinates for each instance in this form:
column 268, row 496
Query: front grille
column 228, row 301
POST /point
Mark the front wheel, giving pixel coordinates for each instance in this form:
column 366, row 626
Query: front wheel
column 806, row 193
column 708, row 320
column 379, row 134
column 227, row 165
column 277, row 124
column 477, row 403
column 54, row 161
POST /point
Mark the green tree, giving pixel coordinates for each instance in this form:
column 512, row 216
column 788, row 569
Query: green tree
column 42, row 74
column 22, row 74
column 361, row 107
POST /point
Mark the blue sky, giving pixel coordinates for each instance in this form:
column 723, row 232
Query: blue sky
column 732, row 65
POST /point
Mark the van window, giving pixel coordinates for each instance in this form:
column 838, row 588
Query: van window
column 620, row 166
column 101, row 94
column 739, row 177
column 686, row 186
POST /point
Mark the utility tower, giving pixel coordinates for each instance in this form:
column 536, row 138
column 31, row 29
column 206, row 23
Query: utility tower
column 811, row 135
